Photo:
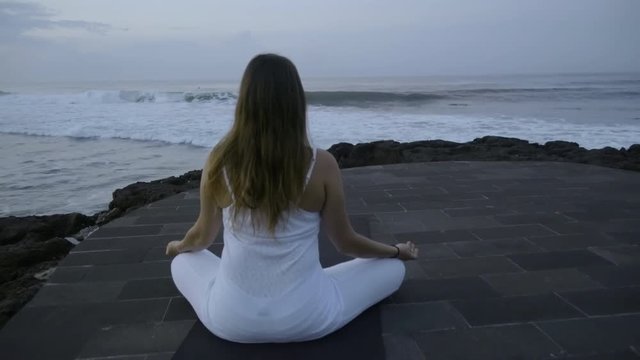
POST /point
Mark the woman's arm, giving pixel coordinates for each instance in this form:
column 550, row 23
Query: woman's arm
column 338, row 226
column 206, row 228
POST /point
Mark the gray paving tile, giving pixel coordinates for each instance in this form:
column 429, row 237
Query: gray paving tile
column 493, row 247
column 413, row 270
column 538, row 282
column 468, row 266
column 123, row 357
column 607, row 213
column 620, row 255
column 175, row 201
column 369, row 197
column 51, row 327
column 435, row 251
column 175, row 228
column 433, row 219
column 137, row 339
column 605, row 301
column 477, row 211
column 620, row 225
column 558, row 259
column 382, row 208
column 398, row 227
column 382, row 187
column 126, row 242
column 179, row 309
column 572, row 227
column 427, row 190
column 606, row 355
column 414, row 203
column 545, row 218
column 43, row 332
column 175, row 217
column 125, row 231
column 129, row 271
column 632, row 237
column 160, row 356
column 422, row 237
column 582, row 336
column 516, row 309
column 491, row 342
column 129, row 312
column 453, row 223
column 570, row 242
column 412, row 221
column 157, row 253
column 401, row 347
column 614, row 276
column 77, row 293
column 511, row 231
column 104, row 257
column 412, row 318
column 148, row 288
column 418, row 290
column 192, row 211
column 479, row 187
column 62, row 275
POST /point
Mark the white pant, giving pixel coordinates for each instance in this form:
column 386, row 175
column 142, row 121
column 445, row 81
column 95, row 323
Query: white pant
column 362, row 282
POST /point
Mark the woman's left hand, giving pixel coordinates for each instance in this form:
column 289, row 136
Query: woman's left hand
column 173, row 248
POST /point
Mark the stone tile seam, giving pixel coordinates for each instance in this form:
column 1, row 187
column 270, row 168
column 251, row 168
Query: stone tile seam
column 453, row 327
column 98, row 251
column 564, row 351
column 164, row 316
column 516, row 264
column 570, row 303
column 118, row 237
column 590, row 249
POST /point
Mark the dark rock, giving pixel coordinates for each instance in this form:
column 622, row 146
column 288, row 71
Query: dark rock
column 26, row 253
column 19, row 285
column 106, row 216
column 37, row 228
column 341, row 151
column 488, row 148
column 500, row 141
column 561, row 148
column 19, row 264
column 142, row 193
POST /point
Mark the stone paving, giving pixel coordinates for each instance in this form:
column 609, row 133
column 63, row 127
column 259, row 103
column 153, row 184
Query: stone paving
column 526, row 260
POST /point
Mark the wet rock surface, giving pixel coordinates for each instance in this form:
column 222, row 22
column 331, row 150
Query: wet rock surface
column 488, row 148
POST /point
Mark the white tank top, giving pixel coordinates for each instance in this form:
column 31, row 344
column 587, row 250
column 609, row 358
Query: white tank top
column 271, row 287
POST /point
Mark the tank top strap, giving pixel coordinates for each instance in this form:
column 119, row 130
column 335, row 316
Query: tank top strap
column 226, row 181
column 311, row 166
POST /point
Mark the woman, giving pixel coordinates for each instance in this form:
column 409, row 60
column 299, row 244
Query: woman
column 271, row 190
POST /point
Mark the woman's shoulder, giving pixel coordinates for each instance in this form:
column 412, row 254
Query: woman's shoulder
column 325, row 160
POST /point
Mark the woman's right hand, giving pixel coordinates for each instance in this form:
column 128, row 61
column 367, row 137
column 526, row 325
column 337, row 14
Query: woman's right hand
column 408, row 251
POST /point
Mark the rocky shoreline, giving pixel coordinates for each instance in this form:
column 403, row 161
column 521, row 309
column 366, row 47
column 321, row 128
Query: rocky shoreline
column 488, row 148
column 31, row 246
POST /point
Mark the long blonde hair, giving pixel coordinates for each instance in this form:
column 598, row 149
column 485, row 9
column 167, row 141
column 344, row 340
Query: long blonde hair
column 267, row 151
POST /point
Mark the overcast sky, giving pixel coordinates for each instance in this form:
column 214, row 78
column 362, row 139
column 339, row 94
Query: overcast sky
column 53, row 40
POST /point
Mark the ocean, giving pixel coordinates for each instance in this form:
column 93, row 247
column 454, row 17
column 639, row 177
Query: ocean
column 65, row 147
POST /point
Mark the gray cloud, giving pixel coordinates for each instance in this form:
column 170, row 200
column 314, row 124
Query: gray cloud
column 18, row 18
column 171, row 40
